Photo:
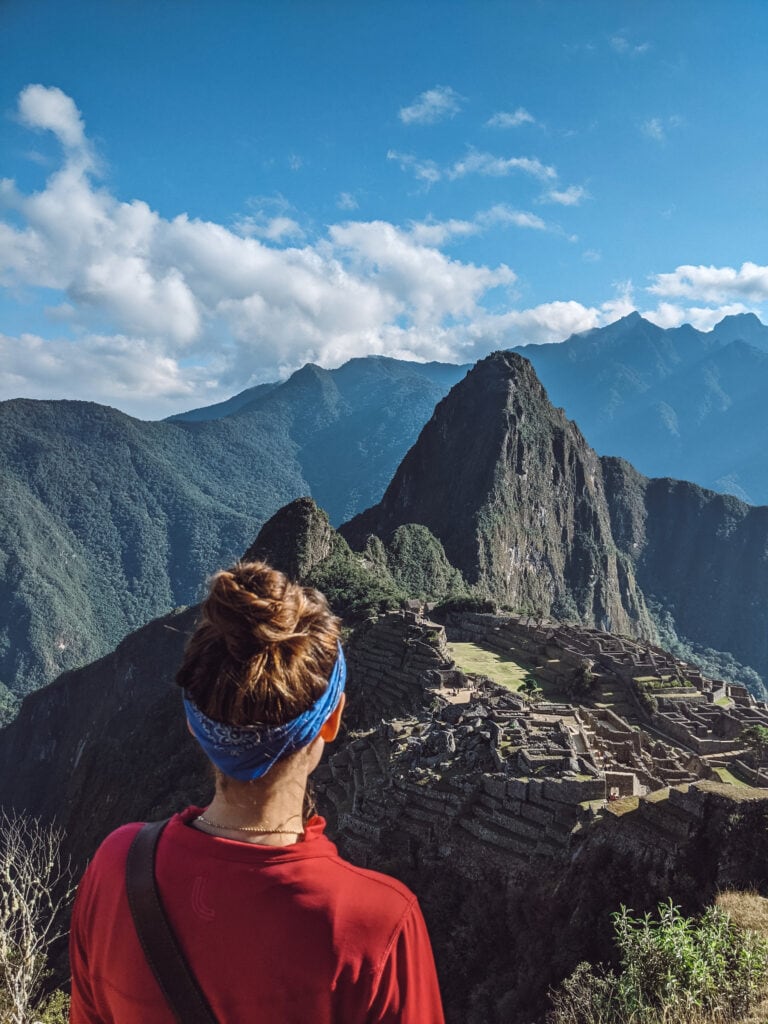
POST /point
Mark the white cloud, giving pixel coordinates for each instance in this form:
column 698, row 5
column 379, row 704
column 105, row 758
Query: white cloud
column 475, row 162
column 503, row 214
column 424, row 170
column 432, row 106
column 432, row 232
column 591, row 255
column 511, row 119
column 273, row 229
column 620, row 44
column 48, row 108
column 437, row 233
column 346, row 201
column 657, row 128
column 654, row 129
column 714, row 284
column 571, row 196
column 543, row 324
column 703, row 318
column 492, row 166
column 131, row 373
column 428, row 285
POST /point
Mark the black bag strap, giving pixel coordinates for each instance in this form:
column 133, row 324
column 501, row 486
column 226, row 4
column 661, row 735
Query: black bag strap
column 157, row 939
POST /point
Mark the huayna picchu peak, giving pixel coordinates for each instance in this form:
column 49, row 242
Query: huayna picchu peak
column 516, row 496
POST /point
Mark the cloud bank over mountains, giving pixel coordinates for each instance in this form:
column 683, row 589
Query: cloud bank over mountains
column 155, row 314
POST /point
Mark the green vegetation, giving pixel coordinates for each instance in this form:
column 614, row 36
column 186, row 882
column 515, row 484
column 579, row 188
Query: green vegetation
column 672, row 970
column 383, row 577
column 476, row 659
column 468, row 603
column 9, row 705
column 416, row 559
column 726, row 775
column 354, row 588
column 624, row 805
column 662, row 683
column 107, row 522
column 54, row 1009
column 530, row 687
column 715, row 664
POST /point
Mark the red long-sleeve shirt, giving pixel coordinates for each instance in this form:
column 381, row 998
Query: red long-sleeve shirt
column 274, row 935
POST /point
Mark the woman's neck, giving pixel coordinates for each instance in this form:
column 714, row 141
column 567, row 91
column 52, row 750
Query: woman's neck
column 274, row 805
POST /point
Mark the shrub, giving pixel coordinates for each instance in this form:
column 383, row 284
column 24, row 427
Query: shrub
column 55, row 1010
column 468, row 603
column 673, row 970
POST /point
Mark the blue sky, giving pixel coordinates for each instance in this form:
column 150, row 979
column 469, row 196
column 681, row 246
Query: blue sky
column 200, row 196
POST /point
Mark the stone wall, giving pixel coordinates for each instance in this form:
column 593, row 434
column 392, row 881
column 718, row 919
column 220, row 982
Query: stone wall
column 397, row 662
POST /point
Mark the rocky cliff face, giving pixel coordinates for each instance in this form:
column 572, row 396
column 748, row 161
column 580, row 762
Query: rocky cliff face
column 700, row 557
column 517, row 498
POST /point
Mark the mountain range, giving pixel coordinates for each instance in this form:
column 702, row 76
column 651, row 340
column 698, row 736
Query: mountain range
column 674, row 402
column 107, row 521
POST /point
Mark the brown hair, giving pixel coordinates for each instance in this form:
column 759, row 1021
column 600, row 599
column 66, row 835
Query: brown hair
column 263, row 649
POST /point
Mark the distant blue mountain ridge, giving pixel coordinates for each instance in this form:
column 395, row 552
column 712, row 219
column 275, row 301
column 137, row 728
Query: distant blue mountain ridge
column 674, row 402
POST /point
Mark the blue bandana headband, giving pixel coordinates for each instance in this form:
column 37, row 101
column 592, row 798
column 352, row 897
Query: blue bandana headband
column 247, row 752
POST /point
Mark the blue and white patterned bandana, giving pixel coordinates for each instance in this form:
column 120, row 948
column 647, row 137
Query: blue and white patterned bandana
column 247, row 752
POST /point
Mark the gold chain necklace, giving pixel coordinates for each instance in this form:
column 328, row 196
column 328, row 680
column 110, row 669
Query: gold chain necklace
column 252, row 828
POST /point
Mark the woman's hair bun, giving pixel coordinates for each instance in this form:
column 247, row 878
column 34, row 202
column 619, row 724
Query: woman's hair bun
column 263, row 649
column 251, row 606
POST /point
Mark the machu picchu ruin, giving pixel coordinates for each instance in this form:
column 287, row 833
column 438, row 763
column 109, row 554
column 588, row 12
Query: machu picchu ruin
column 442, row 761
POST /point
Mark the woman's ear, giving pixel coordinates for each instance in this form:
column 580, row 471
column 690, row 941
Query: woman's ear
column 330, row 727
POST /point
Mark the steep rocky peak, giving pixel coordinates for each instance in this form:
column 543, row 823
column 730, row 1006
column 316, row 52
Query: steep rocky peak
column 310, row 377
column 515, row 495
column 296, row 539
column 502, row 388
column 742, row 327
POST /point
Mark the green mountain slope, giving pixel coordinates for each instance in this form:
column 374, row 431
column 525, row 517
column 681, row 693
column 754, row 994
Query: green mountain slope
column 106, row 521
